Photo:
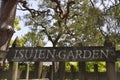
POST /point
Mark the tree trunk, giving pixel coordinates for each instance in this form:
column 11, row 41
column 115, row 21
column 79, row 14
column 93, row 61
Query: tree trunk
column 7, row 16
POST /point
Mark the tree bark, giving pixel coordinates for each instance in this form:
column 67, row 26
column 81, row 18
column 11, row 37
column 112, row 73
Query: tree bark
column 7, row 16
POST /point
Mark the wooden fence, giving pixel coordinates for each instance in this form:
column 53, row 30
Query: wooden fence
column 20, row 68
column 61, row 74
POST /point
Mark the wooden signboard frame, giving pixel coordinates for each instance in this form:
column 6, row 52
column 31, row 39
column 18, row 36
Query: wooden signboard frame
column 36, row 54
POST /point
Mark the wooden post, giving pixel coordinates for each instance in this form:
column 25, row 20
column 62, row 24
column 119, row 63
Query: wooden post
column 14, row 70
column 38, row 69
column 23, row 73
column 82, row 70
column 62, row 70
column 54, row 72
column 10, row 70
column 111, row 73
column 51, row 72
column 72, row 73
column 27, row 73
column 35, row 72
column 96, row 71
column 40, row 66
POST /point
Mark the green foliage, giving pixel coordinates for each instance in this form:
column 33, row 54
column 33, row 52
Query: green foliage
column 16, row 24
column 69, row 64
column 118, row 66
column 22, row 67
column 4, row 79
column 90, row 66
column 101, row 66
column 6, row 67
column 21, row 42
column 117, row 47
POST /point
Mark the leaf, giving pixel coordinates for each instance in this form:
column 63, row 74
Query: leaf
column 16, row 24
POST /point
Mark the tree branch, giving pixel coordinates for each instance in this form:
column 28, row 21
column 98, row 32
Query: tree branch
column 56, row 40
column 65, row 16
column 92, row 4
column 32, row 11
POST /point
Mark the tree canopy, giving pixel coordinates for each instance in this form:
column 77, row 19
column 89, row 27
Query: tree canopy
column 71, row 22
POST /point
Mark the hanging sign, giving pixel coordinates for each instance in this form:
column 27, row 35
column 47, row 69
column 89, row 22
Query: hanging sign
column 99, row 53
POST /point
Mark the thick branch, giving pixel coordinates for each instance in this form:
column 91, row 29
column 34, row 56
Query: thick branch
column 32, row 11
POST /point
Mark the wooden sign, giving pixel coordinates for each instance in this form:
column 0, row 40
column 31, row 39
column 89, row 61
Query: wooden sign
column 99, row 53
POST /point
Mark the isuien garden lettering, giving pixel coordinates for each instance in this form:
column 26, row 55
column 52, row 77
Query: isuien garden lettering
column 61, row 54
